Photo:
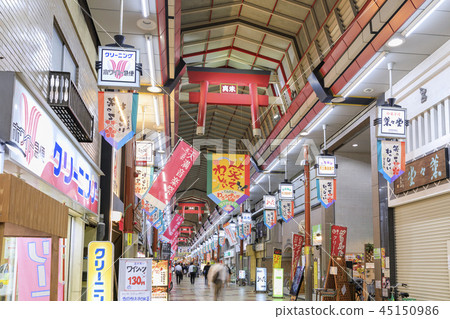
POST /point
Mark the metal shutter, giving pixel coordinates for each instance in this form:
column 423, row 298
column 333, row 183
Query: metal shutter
column 422, row 230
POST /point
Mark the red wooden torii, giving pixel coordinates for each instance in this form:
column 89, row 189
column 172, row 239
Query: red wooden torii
column 192, row 208
column 218, row 76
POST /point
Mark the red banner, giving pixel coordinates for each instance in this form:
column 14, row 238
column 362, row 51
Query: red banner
column 172, row 175
column 338, row 240
column 297, row 244
column 171, row 232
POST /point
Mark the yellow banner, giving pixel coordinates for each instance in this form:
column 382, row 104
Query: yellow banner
column 100, row 271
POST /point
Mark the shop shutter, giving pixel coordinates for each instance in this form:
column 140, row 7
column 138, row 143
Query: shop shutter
column 422, row 230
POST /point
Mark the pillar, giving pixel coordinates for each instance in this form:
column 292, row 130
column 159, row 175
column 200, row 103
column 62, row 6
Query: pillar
column 201, row 116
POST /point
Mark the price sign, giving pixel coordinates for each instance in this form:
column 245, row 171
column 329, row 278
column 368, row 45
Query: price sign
column 136, row 275
column 135, row 279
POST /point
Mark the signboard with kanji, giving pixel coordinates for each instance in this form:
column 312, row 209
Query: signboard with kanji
column 286, row 191
column 228, row 183
column 117, row 117
column 270, row 202
column 286, row 208
column 326, row 191
column 391, row 159
column 270, row 217
column 338, row 240
column 100, row 271
column 118, row 67
column 144, row 153
column 297, row 245
column 135, row 282
column 326, row 166
column 229, row 88
column 392, row 122
column 426, row 170
column 277, row 258
column 143, row 179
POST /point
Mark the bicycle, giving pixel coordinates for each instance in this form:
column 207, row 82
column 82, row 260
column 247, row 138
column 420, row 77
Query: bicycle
column 395, row 293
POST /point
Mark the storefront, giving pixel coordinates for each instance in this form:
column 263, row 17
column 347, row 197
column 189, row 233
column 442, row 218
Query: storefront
column 51, row 163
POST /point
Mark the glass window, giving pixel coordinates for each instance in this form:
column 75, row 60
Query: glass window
column 62, row 59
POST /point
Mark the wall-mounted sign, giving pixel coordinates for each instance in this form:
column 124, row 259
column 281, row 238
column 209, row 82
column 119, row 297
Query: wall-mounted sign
column 392, row 122
column 228, row 182
column 326, row 191
column 286, row 191
column 144, row 153
column 49, row 153
column 426, row 170
column 118, row 67
column 278, row 283
column 391, row 159
column 270, row 202
column 100, row 271
column 338, row 240
column 326, row 166
column 261, row 279
column 135, row 282
column 228, row 88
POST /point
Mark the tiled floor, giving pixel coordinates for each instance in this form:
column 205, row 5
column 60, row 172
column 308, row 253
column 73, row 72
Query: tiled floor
column 201, row 292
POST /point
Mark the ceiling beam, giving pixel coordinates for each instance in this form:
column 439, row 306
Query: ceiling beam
column 298, row 4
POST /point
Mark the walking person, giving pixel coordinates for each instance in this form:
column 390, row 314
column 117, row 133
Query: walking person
column 179, row 273
column 192, row 272
column 217, row 277
column 205, row 272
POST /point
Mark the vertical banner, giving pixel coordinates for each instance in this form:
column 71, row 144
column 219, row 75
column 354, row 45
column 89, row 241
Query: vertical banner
column 391, row 159
column 270, row 218
column 171, row 232
column 172, row 175
column 286, row 208
column 230, row 235
column 34, row 266
column 326, row 191
column 277, row 258
column 338, row 240
column 228, row 182
column 100, row 271
column 247, row 230
column 142, row 181
column 117, row 117
column 297, row 245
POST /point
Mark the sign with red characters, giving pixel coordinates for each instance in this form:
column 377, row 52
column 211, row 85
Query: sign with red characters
column 297, row 245
column 338, row 240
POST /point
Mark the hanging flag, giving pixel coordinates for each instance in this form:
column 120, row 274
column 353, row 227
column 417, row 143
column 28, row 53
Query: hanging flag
column 117, row 116
column 391, row 159
column 228, row 182
column 247, row 229
column 143, row 178
column 230, row 234
column 172, row 175
column 297, row 245
column 240, row 231
column 171, row 233
column 326, row 191
column 270, row 218
column 286, row 209
column 338, row 240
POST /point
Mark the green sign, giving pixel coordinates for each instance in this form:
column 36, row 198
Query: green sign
column 377, row 253
column 278, row 283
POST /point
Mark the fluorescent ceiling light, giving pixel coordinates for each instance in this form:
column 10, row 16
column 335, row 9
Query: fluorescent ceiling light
column 422, row 17
column 156, row 108
column 153, row 88
column 144, row 7
column 361, row 77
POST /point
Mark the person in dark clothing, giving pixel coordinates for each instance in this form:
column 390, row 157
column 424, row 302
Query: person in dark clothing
column 179, row 273
column 205, row 272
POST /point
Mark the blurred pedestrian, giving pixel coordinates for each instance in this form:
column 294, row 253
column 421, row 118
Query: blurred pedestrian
column 217, row 277
column 192, row 272
column 205, row 272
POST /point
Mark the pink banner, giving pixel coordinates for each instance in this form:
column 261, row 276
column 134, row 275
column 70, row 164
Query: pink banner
column 172, row 175
column 338, row 240
column 171, row 232
column 297, row 244
column 34, row 262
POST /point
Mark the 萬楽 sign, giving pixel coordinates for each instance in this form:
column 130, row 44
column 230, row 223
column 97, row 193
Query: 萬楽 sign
column 278, row 283
column 326, row 166
column 118, row 67
column 426, row 170
column 100, row 271
column 261, row 279
column 392, row 122
column 135, row 282
column 49, row 153
column 228, row 88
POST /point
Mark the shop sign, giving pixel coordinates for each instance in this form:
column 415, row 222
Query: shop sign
column 277, row 258
column 326, row 166
column 326, row 191
column 241, row 274
column 172, row 175
column 278, row 283
column 392, row 122
column 49, row 153
column 247, row 230
column 171, row 232
column 135, row 279
column 240, row 231
column 338, row 240
column 34, row 265
column 286, row 191
column 160, row 272
column 118, row 67
column 317, row 235
column 270, row 202
column 117, row 116
column 270, row 218
column 165, row 250
column 230, row 234
column 246, row 218
column 144, row 153
column 100, row 271
column 261, row 279
column 228, row 180
column 143, row 179
column 426, row 170
column 228, row 88
column 297, row 245
column 286, row 208
column 391, row 159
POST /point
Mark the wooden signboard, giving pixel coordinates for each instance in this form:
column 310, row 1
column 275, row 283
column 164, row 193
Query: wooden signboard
column 426, row 170
column 337, row 286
